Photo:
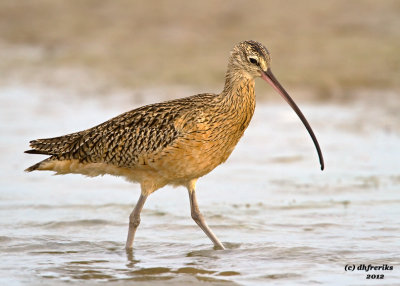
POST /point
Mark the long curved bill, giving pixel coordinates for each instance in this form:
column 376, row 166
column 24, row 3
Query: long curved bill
column 270, row 78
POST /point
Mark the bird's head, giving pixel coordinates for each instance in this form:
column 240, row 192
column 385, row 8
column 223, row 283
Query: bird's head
column 250, row 59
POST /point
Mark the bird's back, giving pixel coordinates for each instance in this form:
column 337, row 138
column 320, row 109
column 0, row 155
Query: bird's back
column 175, row 140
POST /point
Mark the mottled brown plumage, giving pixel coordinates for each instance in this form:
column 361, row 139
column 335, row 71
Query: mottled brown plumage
column 173, row 142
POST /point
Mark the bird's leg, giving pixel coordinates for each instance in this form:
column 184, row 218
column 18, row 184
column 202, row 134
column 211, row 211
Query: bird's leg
column 134, row 221
column 198, row 217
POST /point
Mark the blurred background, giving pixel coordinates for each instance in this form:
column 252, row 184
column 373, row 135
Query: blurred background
column 325, row 48
column 68, row 65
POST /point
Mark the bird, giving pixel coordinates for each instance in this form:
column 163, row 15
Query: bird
column 174, row 142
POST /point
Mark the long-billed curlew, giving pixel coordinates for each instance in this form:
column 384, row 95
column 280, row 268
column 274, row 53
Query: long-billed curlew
column 173, row 142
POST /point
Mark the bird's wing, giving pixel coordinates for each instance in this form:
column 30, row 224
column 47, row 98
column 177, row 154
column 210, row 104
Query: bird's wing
column 122, row 140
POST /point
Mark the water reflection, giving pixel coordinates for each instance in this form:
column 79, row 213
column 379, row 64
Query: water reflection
column 131, row 258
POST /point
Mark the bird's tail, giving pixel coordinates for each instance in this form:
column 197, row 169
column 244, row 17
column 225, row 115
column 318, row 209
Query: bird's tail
column 53, row 147
column 35, row 167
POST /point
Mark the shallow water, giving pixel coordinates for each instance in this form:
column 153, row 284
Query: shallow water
column 282, row 220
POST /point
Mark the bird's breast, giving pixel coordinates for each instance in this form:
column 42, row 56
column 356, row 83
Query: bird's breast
column 208, row 140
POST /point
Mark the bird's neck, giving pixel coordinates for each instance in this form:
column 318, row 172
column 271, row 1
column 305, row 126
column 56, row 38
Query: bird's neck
column 238, row 97
column 238, row 89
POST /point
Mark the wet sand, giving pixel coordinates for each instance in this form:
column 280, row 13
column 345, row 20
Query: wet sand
column 282, row 220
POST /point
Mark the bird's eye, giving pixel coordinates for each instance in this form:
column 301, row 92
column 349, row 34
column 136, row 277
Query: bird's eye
column 253, row 61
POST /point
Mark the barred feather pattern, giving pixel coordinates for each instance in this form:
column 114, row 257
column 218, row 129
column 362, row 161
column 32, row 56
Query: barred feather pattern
column 120, row 140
